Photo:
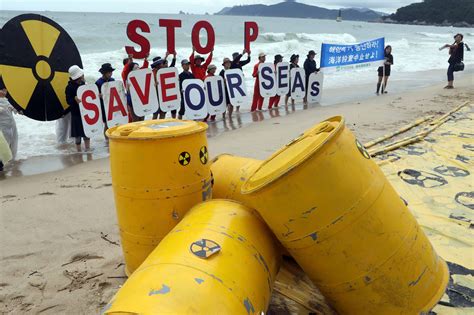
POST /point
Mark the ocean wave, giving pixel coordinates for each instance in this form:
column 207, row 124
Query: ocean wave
column 344, row 38
column 433, row 35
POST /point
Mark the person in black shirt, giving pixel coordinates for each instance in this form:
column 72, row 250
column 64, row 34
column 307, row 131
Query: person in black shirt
column 456, row 52
column 76, row 79
column 384, row 71
column 185, row 75
column 294, row 59
column 238, row 64
column 309, row 67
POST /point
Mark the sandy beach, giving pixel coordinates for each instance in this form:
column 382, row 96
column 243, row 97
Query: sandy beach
column 60, row 249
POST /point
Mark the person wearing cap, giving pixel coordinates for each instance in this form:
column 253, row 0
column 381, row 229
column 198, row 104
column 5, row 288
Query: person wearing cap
column 198, row 66
column 76, row 79
column 226, row 63
column 128, row 66
column 294, row 59
column 185, row 75
column 309, row 66
column 275, row 100
column 107, row 71
column 237, row 63
column 257, row 101
column 211, row 71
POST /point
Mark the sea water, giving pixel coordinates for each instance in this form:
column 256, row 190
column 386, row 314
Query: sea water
column 101, row 37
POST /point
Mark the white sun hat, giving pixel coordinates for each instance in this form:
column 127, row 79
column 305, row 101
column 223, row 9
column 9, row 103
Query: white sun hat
column 75, row 72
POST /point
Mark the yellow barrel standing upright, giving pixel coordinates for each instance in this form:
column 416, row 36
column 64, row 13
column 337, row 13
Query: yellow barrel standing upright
column 333, row 209
column 220, row 259
column 160, row 170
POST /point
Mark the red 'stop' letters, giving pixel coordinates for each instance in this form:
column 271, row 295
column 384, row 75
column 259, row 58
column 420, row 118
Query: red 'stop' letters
column 138, row 39
column 250, row 34
column 170, row 33
column 211, row 37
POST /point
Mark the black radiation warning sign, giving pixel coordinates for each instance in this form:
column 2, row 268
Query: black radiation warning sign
column 362, row 150
column 204, row 248
column 184, row 158
column 36, row 54
column 203, row 155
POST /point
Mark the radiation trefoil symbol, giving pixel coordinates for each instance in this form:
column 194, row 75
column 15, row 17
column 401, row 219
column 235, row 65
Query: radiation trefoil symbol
column 36, row 55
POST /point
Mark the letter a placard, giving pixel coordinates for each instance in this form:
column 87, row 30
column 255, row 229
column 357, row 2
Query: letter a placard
column 91, row 114
column 143, row 92
column 115, row 103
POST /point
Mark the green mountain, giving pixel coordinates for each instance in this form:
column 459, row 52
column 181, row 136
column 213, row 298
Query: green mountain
column 440, row 12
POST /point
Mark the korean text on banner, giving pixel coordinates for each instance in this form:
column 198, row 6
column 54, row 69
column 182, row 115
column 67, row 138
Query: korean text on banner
column 356, row 55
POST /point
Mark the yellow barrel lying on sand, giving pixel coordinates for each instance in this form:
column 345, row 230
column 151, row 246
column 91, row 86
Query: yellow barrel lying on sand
column 232, row 172
column 220, row 259
column 333, row 209
column 160, row 170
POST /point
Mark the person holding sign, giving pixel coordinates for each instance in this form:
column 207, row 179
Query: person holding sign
column 198, row 66
column 173, row 61
column 76, row 76
column 107, row 71
column 294, row 59
column 128, row 66
column 237, row 63
column 158, row 63
column 384, row 71
column 309, row 67
column 185, row 75
column 227, row 64
column 211, row 71
column 257, row 101
column 275, row 100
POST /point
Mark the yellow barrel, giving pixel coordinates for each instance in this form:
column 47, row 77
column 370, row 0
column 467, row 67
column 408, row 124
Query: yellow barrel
column 220, row 259
column 160, row 170
column 331, row 206
column 229, row 173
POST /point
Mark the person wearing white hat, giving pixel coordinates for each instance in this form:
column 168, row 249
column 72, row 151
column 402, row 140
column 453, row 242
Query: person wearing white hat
column 257, row 101
column 76, row 76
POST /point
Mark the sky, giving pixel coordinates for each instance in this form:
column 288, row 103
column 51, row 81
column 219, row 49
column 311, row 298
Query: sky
column 174, row 6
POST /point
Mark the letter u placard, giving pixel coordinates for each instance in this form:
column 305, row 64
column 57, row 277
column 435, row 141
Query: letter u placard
column 215, row 95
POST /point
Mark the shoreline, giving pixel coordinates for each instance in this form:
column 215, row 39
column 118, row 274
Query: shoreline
column 333, row 98
column 60, row 241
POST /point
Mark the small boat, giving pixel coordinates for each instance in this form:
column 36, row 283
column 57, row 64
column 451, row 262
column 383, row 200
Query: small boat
column 339, row 17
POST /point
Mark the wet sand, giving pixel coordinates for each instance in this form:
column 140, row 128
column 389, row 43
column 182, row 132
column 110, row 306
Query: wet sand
column 60, row 248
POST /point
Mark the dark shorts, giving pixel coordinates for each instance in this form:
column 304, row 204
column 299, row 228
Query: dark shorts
column 380, row 71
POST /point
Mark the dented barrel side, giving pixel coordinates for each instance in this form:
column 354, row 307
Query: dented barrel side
column 220, row 259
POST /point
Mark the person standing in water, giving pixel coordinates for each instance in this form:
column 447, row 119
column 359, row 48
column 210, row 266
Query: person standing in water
column 185, row 75
column 198, row 66
column 227, row 65
column 456, row 56
column 257, row 101
column 275, row 100
column 310, row 67
column 211, row 71
column 237, row 63
column 76, row 79
column 294, row 59
column 384, row 71
column 107, row 71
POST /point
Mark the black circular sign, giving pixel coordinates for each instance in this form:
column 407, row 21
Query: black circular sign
column 203, row 155
column 204, row 248
column 184, row 158
column 36, row 55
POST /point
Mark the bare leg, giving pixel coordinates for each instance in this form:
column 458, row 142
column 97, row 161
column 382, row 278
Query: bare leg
column 379, row 83
column 286, row 100
column 230, row 109
column 162, row 115
column 87, row 144
column 384, row 88
column 155, row 116
column 237, row 109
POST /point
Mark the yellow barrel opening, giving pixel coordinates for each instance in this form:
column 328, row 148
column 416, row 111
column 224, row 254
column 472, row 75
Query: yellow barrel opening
column 160, row 170
column 220, row 259
column 333, row 209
